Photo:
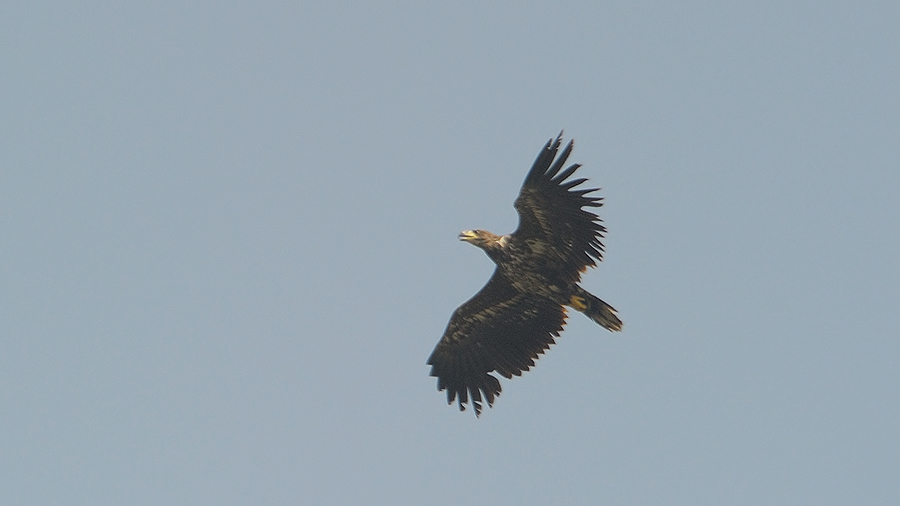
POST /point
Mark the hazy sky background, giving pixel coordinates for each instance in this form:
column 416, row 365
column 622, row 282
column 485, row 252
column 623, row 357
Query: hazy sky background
column 229, row 246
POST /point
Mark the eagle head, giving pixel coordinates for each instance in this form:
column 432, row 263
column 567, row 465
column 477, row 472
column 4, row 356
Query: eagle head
column 483, row 239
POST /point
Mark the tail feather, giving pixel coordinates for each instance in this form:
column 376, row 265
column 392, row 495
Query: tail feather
column 597, row 310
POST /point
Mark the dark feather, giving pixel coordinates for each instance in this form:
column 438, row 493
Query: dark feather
column 551, row 214
column 499, row 329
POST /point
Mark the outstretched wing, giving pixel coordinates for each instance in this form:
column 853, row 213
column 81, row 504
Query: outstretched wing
column 499, row 329
column 552, row 221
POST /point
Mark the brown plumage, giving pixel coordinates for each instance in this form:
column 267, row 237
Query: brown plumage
column 507, row 325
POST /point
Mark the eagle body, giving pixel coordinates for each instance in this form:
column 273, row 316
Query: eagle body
column 507, row 325
column 524, row 265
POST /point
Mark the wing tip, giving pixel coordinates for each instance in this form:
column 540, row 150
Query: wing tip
column 477, row 389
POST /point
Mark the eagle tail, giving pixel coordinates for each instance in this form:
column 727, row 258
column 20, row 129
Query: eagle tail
column 595, row 309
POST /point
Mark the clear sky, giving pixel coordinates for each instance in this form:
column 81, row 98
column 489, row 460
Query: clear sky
column 229, row 244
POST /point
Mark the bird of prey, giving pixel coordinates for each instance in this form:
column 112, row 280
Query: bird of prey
column 507, row 325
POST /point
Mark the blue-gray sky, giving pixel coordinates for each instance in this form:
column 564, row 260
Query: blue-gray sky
column 229, row 245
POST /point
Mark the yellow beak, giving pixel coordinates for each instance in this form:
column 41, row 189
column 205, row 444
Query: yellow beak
column 467, row 235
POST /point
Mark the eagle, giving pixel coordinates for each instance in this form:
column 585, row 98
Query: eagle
column 515, row 317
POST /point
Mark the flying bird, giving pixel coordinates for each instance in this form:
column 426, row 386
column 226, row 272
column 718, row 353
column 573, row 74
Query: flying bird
column 507, row 325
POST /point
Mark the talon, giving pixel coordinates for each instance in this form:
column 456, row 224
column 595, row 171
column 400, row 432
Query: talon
column 577, row 302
